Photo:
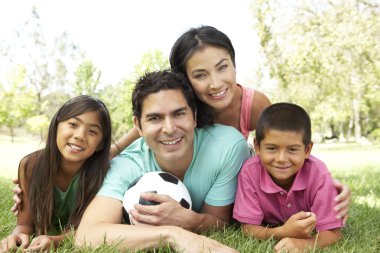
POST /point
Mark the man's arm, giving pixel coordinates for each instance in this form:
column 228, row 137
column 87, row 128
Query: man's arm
column 101, row 223
column 170, row 212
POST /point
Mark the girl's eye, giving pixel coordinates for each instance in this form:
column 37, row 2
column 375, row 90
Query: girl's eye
column 72, row 124
column 200, row 76
column 93, row 132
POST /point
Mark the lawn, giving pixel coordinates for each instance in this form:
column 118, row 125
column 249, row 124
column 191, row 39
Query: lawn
column 356, row 166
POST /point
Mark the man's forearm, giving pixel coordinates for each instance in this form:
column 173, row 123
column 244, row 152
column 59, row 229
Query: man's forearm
column 124, row 237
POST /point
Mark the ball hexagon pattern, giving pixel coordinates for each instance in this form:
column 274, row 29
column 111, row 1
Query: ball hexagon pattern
column 158, row 182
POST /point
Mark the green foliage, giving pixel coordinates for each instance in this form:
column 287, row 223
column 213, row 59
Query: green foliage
column 38, row 125
column 87, row 79
column 324, row 56
column 17, row 101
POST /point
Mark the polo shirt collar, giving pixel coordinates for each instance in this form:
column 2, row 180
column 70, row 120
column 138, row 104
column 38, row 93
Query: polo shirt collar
column 269, row 186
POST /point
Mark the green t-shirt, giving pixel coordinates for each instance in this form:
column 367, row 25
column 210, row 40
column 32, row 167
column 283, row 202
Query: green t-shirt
column 64, row 204
column 219, row 152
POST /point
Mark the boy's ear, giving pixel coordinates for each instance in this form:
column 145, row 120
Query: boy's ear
column 256, row 145
column 137, row 125
column 308, row 149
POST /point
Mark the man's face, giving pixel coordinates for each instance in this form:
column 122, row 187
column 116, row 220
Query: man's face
column 167, row 125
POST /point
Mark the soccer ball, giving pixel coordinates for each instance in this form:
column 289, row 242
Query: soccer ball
column 158, row 182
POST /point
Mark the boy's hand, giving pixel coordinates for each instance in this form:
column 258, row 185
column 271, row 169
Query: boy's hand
column 291, row 245
column 299, row 225
column 16, row 197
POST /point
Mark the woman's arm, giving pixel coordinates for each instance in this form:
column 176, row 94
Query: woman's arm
column 124, row 142
column 259, row 102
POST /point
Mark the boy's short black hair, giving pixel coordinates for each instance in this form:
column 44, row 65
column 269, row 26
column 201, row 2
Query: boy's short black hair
column 284, row 117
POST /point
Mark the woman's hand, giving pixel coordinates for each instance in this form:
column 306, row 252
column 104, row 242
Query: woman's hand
column 343, row 201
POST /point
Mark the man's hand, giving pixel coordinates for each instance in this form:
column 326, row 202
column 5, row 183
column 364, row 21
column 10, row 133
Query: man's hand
column 343, row 201
column 299, row 225
column 16, row 197
column 168, row 212
column 188, row 242
column 14, row 241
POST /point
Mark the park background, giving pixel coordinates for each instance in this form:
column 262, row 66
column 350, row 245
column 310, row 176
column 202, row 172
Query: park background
column 323, row 55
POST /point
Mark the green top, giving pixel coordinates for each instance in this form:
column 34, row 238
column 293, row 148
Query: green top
column 64, row 204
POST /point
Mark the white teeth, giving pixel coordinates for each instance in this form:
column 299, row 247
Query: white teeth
column 171, row 142
column 219, row 93
column 77, row 148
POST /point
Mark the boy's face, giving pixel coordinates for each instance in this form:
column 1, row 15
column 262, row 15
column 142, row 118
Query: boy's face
column 282, row 154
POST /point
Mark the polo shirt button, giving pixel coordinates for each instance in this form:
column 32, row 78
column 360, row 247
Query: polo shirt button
column 289, row 205
column 281, row 193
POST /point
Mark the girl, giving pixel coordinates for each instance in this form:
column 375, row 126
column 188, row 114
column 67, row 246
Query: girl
column 59, row 181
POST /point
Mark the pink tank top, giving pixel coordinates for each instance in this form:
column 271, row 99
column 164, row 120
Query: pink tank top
column 245, row 111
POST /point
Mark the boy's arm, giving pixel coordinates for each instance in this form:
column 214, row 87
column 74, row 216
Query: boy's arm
column 319, row 240
column 299, row 225
column 124, row 142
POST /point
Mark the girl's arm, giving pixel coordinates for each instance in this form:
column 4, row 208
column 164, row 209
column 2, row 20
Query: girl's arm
column 319, row 240
column 124, row 142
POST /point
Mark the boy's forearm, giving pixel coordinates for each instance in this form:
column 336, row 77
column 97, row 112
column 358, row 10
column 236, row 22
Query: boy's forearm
column 326, row 238
column 262, row 232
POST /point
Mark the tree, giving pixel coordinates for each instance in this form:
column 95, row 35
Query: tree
column 324, row 55
column 87, row 79
column 118, row 97
column 17, row 101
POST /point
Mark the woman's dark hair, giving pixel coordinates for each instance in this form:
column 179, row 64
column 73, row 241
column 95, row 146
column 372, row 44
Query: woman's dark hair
column 41, row 167
column 284, row 117
column 185, row 46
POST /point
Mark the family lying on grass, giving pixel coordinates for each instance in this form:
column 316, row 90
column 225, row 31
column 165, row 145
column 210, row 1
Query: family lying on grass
column 177, row 137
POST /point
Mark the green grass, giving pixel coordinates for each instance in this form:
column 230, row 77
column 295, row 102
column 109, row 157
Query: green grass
column 356, row 166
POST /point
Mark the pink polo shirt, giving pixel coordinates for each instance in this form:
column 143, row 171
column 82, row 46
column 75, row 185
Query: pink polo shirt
column 260, row 201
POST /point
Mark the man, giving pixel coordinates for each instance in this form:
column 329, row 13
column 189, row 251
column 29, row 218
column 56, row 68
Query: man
column 206, row 159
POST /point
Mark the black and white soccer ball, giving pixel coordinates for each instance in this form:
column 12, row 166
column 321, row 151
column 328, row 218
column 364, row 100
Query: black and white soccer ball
column 158, row 182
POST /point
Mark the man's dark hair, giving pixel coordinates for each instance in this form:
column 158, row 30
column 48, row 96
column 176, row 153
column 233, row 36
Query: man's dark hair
column 156, row 81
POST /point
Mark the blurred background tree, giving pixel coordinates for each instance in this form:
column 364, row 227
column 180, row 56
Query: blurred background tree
column 325, row 56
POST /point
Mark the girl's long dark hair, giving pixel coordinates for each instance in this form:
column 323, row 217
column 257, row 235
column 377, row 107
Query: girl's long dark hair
column 40, row 168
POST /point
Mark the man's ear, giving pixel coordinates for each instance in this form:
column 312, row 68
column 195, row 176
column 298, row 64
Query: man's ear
column 256, row 145
column 137, row 125
column 308, row 149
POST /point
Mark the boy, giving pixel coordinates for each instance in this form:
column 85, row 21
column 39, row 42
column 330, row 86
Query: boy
column 284, row 192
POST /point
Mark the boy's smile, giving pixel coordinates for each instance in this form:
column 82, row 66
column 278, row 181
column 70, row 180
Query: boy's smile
column 282, row 154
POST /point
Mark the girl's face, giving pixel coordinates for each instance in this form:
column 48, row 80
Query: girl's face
column 79, row 137
column 213, row 76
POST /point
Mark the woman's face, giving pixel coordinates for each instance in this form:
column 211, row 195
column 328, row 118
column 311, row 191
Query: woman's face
column 213, row 76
